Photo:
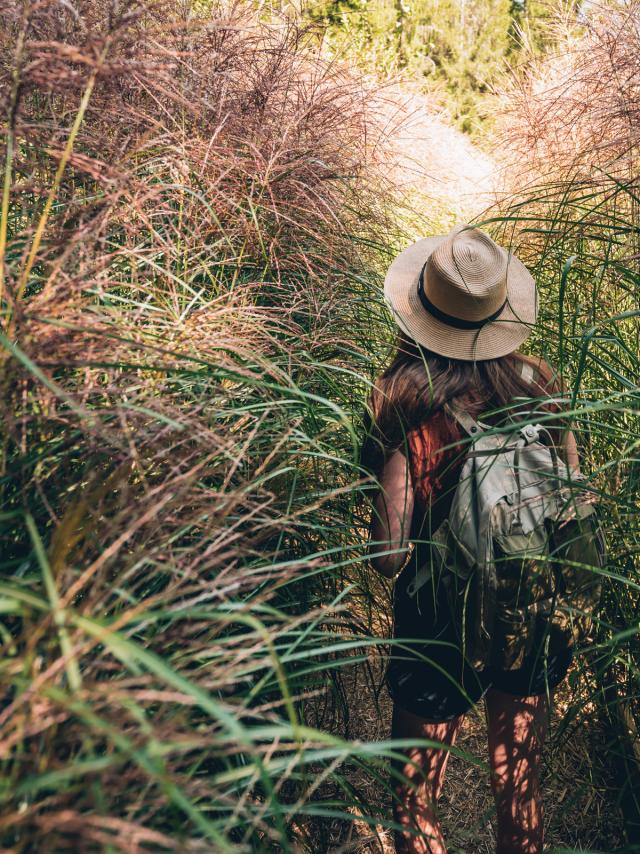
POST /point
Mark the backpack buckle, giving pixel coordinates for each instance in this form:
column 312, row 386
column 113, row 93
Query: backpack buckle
column 530, row 433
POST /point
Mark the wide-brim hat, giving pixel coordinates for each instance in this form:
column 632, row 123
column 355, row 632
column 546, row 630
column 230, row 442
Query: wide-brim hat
column 461, row 295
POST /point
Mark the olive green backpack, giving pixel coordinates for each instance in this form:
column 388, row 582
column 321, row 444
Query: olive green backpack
column 521, row 548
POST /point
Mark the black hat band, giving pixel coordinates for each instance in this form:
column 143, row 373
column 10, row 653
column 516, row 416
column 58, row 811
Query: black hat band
column 450, row 319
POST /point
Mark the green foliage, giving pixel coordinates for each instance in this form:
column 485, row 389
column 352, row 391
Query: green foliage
column 455, row 48
column 534, row 22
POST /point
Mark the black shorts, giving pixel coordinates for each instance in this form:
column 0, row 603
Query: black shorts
column 428, row 675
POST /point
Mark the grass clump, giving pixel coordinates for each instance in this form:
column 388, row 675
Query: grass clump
column 191, row 220
column 571, row 210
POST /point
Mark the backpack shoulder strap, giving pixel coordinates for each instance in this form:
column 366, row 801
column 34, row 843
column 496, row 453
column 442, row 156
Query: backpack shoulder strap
column 468, row 424
column 534, row 374
column 472, row 427
column 527, row 372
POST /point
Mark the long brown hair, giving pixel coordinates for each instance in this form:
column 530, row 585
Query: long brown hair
column 418, row 383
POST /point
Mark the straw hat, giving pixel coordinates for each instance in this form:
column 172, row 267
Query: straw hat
column 462, row 295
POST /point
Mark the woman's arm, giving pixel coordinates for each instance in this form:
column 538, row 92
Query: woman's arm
column 570, row 451
column 391, row 517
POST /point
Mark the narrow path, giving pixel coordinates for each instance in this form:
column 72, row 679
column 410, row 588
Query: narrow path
column 444, row 176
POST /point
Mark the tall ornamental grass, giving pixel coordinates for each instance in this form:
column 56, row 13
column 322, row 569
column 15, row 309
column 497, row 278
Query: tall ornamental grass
column 194, row 211
column 191, row 216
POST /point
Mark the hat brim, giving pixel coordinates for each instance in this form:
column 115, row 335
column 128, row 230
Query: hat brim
column 496, row 338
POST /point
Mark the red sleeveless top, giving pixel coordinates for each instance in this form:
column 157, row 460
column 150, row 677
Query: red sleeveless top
column 430, row 459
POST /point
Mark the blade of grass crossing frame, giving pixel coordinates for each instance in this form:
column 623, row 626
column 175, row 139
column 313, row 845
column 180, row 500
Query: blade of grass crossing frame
column 62, row 165
column 71, row 663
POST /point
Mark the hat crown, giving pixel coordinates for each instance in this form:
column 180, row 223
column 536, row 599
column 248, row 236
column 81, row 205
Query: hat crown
column 466, row 275
column 461, row 295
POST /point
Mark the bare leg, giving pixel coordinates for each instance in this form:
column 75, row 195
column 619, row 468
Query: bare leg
column 517, row 727
column 415, row 798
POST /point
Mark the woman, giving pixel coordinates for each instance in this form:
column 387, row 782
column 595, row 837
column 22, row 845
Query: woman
column 464, row 305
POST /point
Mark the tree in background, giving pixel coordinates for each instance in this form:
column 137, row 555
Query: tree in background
column 455, row 49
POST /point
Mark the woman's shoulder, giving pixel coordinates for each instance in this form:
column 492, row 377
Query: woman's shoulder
column 537, row 371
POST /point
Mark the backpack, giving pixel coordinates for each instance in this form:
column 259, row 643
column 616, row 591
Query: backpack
column 520, row 550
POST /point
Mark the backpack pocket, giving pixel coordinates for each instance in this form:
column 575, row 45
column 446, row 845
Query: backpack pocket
column 578, row 551
column 513, row 636
column 524, row 575
column 525, row 591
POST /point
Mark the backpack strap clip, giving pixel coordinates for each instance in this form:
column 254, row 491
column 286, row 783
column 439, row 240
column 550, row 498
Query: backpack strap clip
column 530, row 433
column 468, row 424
